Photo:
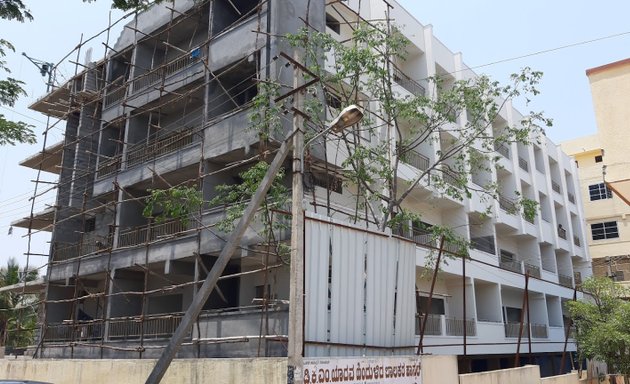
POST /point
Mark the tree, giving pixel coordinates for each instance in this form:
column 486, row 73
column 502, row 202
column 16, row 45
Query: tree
column 18, row 317
column 602, row 322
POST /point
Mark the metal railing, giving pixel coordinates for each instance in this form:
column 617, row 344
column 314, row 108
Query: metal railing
column 142, row 234
column 562, row 233
column 416, row 160
column 510, row 264
column 571, row 197
column 523, row 164
column 577, row 276
column 450, row 177
column 114, row 95
column 154, row 76
column 576, row 240
column 408, row 83
column 149, row 327
column 65, row 251
column 66, row 331
column 565, row 280
column 512, row 330
column 555, row 186
column 507, row 205
column 532, row 270
column 455, row 327
column 484, row 243
column 502, row 149
column 108, row 168
column 539, row 331
column 549, row 265
column 140, row 153
column 433, row 325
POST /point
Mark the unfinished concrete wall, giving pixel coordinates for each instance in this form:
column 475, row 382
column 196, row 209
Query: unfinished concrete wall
column 529, row 374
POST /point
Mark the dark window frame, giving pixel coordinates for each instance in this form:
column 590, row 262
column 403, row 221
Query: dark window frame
column 605, row 230
column 599, row 192
column 333, row 23
column 599, row 158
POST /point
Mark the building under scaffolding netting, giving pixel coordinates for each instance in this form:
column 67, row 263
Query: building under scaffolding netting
column 169, row 106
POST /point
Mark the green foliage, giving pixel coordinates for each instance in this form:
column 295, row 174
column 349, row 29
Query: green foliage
column 602, row 322
column 265, row 116
column 14, row 10
column 235, row 197
column 17, row 313
column 175, row 203
column 457, row 114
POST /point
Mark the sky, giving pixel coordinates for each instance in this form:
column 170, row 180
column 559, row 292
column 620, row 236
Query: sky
column 485, row 31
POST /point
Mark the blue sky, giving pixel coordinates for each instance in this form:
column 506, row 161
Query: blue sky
column 485, row 31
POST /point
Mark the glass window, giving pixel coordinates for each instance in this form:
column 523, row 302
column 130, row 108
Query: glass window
column 602, row 231
column 333, row 24
column 599, row 192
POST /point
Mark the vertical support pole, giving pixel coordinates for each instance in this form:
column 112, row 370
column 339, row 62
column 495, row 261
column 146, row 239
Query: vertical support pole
column 296, row 281
column 529, row 323
column 434, row 278
column 566, row 336
column 520, row 328
column 464, row 308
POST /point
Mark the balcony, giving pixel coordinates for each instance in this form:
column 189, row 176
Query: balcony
column 155, row 76
column 576, row 240
column 555, row 186
column 484, row 244
column 140, row 153
column 108, row 167
column 571, row 197
column 538, row 331
column 562, row 233
column 507, row 205
column 450, row 177
column 416, row 160
column 424, row 237
column 532, row 270
column 565, row 280
column 408, row 83
column 441, row 325
column 114, row 94
column 510, row 264
column 523, row 164
column 502, row 149
column 153, row 232
column 151, row 327
column 67, row 251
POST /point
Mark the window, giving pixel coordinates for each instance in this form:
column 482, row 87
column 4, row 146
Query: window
column 89, row 225
column 437, row 305
column 599, row 192
column 598, row 159
column 602, row 231
column 333, row 24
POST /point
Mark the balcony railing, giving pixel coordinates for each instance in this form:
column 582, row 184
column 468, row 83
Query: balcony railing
column 512, row 329
column 485, row 244
column 455, row 327
column 539, row 331
column 145, row 80
column 510, row 264
column 532, row 270
column 577, row 276
column 555, row 186
column 576, row 240
column 523, row 164
column 549, row 264
column 502, row 149
column 141, row 235
column 433, row 325
column 78, row 331
column 408, row 83
column 450, row 177
column 426, row 238
column 66, row 251
column 571, row 197
column 507, row 205
column 114, row 95
column 562, row 233
column 108, row 167
column 565, row 280
column 416, row 160
column 140, row 153
column 151, row 327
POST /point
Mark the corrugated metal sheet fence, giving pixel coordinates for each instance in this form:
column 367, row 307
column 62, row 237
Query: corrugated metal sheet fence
column 359, row 288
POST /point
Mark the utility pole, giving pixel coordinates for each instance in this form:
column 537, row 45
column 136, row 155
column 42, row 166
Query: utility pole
column 295, row 351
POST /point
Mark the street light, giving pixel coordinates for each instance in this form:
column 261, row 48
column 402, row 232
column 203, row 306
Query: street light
column 346, row 118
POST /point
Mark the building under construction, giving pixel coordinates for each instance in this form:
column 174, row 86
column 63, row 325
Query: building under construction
column 169, row 105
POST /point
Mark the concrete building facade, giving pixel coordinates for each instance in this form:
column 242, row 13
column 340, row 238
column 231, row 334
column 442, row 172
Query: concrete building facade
column 169, row 106
column 604, row 169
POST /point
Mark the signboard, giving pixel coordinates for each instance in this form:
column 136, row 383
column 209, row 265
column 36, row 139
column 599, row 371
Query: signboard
column 363, row 370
